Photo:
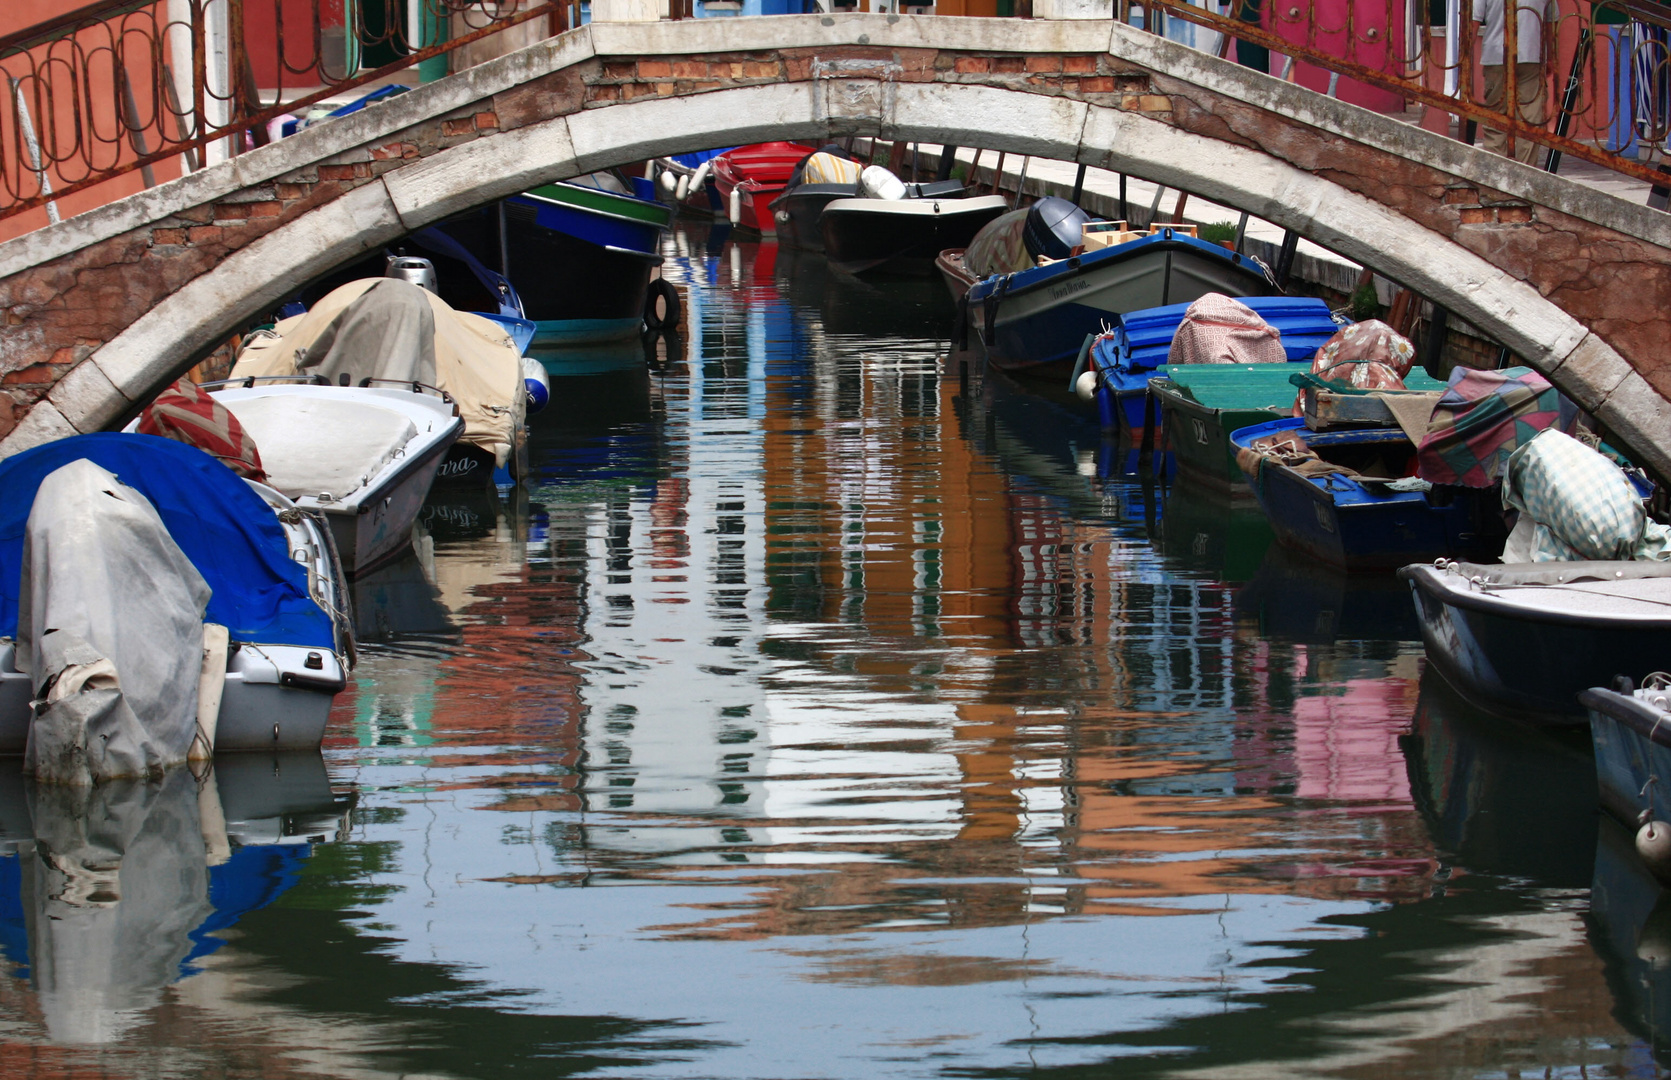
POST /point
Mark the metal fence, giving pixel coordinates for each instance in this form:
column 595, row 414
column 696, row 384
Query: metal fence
column 1593, row 78
column 120, row 86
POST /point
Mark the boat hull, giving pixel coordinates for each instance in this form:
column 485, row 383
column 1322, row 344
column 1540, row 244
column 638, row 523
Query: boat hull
column 902, row 236
column 758, row 174
column 1632, row 742
column 795, row 213
column 377, row 524
column 1033, row 322
column 1521, row 666
column 1199, row 438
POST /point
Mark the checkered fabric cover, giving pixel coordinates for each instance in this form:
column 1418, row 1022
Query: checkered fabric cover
column 186, row 414
column 1582, row 503
column 1480, row 420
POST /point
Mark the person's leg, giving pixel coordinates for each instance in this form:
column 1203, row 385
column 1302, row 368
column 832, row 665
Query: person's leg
column 1533, row 95
column 1491, row 139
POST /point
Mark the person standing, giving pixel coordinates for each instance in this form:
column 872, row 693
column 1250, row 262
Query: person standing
column 1532, row 21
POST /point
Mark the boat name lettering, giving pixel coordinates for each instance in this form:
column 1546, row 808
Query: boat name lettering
column 1068, row 288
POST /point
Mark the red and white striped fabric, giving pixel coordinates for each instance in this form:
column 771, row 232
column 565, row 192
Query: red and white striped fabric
column 186, row 414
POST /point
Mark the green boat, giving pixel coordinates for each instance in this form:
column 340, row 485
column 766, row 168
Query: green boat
column 1204, row 403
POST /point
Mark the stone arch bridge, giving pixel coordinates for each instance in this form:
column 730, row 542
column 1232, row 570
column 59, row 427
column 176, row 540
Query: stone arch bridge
column 100, row 311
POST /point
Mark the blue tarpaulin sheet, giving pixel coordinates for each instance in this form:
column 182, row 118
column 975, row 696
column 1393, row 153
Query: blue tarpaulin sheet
column 228, row 532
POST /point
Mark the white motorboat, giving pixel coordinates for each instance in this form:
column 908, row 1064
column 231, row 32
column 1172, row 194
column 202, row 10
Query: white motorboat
column 213, row 606
column 364, row 456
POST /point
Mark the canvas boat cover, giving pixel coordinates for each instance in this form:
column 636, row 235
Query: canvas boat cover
column 383, row 328
column 318, row 445
column 1481, row 419
column 1580, row 504
column 1001, row 246
column 1369, row 355
column 827, row 168
column 1218, row 329
column 222, row 525
column 189, row 415
column 109, row 630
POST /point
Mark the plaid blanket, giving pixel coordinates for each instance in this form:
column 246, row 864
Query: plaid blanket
column 1581, row 502
column 1484, row 417
column 186, row 414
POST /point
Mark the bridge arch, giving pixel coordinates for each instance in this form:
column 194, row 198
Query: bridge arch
column 108, row 307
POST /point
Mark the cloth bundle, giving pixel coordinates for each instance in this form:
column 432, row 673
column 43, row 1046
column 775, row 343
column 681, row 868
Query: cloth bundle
column 1218, row 329
column 1575, row 504
column 1369, row 355
column 186, row 414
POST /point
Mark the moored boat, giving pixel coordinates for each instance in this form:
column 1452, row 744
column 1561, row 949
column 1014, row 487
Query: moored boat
column 1523, row 640
column 901, row 235
column 830, row 176
column 1630, row 731
column 1349, row 497
column 1137, row 348
column 1035, row 282
column 583, row 254
column 748, row 179
column 139, row 547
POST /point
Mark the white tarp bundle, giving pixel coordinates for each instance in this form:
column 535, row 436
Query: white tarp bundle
column 110, row 631
column 321, row 446
column 120, row 881
column 384, row 328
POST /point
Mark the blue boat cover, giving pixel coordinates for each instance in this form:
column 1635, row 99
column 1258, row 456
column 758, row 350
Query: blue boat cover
column 228, row 532
column 697, row 157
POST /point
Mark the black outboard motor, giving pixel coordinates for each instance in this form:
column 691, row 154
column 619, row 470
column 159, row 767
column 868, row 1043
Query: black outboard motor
column 1053, row 228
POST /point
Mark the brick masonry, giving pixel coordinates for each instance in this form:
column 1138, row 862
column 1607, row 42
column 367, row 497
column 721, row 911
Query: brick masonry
column 58, row 313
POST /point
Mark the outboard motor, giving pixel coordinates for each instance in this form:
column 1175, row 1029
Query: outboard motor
column 1054, row 227
column 420, row 272
column 536, row 384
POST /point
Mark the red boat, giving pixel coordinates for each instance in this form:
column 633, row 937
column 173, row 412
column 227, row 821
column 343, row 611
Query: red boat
column 750, row 177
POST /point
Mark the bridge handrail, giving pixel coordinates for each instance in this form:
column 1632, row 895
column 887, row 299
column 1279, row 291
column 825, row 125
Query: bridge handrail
column 62, row 129
column 1337, row 44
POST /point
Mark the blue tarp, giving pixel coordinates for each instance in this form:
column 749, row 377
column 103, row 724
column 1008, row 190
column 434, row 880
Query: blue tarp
column 224, row 528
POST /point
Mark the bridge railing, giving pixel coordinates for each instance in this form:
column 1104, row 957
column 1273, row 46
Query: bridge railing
column 123, row 86
column 1604, row 65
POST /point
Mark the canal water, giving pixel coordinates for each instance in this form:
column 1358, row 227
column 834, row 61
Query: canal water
column 827, row 708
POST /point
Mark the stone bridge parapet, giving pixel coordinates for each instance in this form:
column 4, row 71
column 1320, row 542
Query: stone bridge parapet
column 101, row 310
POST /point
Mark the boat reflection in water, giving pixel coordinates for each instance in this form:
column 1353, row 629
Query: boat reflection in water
column 1501, row 797
column 110, row 894
column 1207, row 531
column 1295, row 597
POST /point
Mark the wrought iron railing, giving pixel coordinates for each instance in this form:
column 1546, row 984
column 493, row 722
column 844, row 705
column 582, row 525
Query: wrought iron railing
column 120, row 86
column 1607, row 63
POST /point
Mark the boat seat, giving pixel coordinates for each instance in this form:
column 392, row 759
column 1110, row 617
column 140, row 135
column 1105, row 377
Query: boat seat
column 321, row 446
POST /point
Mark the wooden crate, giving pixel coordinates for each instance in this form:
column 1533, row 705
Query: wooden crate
column 1096, row 235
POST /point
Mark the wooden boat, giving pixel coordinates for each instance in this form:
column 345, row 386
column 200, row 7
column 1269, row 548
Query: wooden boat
column 1525, row 639
column 582, row 255
column 1354, row 503
column 1135, row 351
column 901, row 235
column 270, row 567
column 1199, row 405
column 1034, row 320
column 363, row 456
column 748, row 179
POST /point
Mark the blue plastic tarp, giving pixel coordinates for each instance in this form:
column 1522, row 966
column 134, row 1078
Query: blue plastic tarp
column 228, row 532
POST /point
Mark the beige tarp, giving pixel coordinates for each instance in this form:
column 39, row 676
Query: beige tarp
column 474, row 359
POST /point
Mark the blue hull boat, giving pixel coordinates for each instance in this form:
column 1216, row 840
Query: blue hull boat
column 1135, row 351
column 1035, row 321
column 1358, row 518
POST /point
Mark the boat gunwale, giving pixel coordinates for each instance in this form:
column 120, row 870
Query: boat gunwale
column 1432, row 580
column 1631, row 711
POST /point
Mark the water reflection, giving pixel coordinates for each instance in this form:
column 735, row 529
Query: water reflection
column 110, row 895
column 822, row 710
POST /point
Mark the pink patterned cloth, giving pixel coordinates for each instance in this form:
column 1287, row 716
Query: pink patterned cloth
column 1369, row 355
column 1220, row 330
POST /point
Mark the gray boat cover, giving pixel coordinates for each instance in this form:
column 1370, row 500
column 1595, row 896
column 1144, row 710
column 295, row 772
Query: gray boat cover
column 1562, row 573
column 384, row 328
column 110, row 631
column 120, row 881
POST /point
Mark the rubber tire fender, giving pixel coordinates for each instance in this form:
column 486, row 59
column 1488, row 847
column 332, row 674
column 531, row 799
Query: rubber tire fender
column 662, row 289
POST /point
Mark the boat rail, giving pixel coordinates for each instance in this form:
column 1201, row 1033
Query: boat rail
column 414, row 386
column 248, row 382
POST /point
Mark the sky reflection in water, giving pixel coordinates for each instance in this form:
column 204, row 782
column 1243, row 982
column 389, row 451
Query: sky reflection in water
column 819, row 712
